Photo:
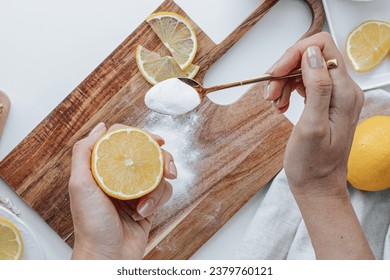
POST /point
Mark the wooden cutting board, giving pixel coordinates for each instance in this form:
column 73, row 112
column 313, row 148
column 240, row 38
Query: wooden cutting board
column 241, row 146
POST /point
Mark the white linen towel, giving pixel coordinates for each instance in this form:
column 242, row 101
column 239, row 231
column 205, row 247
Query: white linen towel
column 278, row 231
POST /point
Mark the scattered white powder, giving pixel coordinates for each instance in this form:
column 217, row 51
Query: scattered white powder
column 7, row 203
column 178, row 134
column 172, row 97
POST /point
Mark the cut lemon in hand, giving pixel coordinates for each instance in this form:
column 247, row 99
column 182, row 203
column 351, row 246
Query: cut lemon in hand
column 368, row 45
column 127, row 163
column 11, row 243
column 155, row 68
column 177, row 35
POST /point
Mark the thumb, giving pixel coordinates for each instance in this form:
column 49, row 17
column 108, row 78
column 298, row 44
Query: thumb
column 318, row 85
column 81, row 155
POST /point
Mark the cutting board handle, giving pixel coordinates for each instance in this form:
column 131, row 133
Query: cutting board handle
column 317, row 23
column 245, row 26
column 318, row 18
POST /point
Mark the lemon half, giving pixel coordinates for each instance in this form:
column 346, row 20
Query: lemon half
column 127, row 163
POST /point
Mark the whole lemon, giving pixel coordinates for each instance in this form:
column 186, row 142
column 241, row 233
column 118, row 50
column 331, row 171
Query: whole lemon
column 369, row 161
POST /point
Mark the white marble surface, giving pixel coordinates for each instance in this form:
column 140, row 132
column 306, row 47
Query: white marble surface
column 48, row 47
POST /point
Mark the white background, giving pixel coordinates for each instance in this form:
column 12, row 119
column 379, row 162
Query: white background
column 48, row 47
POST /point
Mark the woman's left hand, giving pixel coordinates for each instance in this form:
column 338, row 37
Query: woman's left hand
column 107, row 228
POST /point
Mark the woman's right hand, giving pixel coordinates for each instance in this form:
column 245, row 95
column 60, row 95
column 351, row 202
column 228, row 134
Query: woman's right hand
column 317, row 152
column 318, row 149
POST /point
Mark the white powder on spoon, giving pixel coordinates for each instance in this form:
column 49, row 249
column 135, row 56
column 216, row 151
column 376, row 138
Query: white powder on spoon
column 172, row 97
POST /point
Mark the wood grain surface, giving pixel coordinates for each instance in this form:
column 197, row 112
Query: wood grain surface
column 242, row 145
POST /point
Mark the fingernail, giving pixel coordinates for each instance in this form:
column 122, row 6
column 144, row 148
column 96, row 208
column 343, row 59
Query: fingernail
column 172, row 169
column 315, row 57
column 136, row 217
column 147, row 207
column 277, row 102
column 266, row 91
column 157, row 137
column 97, row 128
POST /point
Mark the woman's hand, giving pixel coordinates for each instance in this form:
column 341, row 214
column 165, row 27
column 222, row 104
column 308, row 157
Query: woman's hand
column 317, row 152
column 106, row 228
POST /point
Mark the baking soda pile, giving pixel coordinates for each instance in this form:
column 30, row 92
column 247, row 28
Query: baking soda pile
column 172, row 97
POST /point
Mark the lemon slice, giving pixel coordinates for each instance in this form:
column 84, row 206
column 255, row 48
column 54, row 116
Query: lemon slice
column 177, row 35
column 155, row 68
column 127, row 163
column 11, row 243
column 368, row 45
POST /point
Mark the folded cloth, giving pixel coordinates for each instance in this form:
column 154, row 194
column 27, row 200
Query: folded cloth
column 278, row 231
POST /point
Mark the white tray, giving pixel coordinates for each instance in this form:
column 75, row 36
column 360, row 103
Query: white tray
column 32, row 248
column 343, row 16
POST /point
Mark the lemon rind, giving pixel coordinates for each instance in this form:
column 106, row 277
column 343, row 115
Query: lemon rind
column 355, row 66
column 150, row 79
column 185, row 21
column 15, row 229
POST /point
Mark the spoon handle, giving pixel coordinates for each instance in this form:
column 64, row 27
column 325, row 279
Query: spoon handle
column 332, row 63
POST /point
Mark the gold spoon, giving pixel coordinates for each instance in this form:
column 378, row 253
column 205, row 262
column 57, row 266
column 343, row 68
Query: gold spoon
column 203, row 91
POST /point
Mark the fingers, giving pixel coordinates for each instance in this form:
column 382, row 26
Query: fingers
column 81, row 154
column 156, row 199
column 151, row 202
column 291, row 60
column 166, row 195
column 158, row 139
column 283, row 109
column 284, row 99
column 318, row 85
column 170, row 171
column 274, row 90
